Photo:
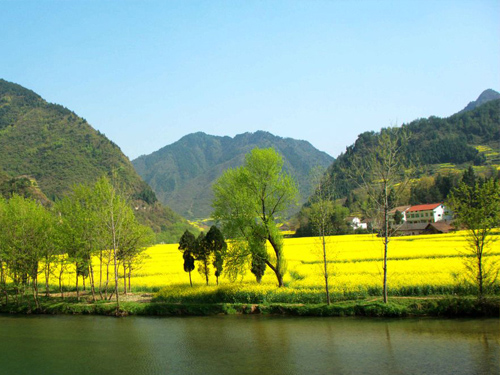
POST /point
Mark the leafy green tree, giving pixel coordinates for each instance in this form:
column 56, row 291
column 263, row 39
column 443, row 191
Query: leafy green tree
column 79, row 231
column 217, row 246
column 136, row 238
column 469, row 178
column 25, row 226
column 114, row 213
column 203, row 255
column 186, row 246
column 249, row 201
column 398, row 217
column 477, row 209
column 3, row 250
column 258, row 265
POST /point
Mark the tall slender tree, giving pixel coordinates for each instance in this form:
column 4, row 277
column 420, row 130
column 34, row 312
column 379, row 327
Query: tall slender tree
column 320, row 216
column 216, row 245
column 187, row 247
column 383, row 173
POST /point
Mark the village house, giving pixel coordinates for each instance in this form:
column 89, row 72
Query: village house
column 356, row 223
column 427, row 213
column 423, row 218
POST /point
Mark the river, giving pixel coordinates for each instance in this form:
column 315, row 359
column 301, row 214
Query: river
column 246, row 345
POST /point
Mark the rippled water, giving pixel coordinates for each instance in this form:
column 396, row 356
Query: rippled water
column 246, row 345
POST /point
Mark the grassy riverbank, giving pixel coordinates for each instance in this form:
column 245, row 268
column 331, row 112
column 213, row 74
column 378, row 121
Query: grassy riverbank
column 397, row 307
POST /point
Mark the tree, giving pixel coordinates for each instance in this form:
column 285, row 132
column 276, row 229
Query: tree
column 135, row 239
column 186, row 245
column 3, row 250
column 203, row 255
column 216, row 245
column 398, row 217
column 26, row 229
column 248, row 203
column 321, row 218
column 382, row 173
column 79, row 231
column 114, row 214
column 477, row 209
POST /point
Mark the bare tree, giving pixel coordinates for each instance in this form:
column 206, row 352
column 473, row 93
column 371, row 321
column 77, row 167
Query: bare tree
column 383, row 173
column 320, row 216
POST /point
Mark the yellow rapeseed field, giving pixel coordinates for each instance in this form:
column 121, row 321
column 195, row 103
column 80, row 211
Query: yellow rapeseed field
column 355, row 265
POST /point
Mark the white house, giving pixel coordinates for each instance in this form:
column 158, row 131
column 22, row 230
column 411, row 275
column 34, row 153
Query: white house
column 428, row 213
column 356, row 223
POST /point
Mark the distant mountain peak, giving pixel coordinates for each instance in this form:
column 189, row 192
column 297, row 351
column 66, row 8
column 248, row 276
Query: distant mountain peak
column 183, row 172
column 485, row 97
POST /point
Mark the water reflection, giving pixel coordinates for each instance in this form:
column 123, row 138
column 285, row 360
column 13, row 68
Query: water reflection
column 246, row 345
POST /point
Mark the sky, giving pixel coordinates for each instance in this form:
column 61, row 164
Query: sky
column 146, row 73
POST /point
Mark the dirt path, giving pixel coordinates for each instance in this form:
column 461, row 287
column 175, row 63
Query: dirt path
column 129, row 297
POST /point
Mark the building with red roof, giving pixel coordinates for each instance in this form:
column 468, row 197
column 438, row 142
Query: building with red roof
column 428, row 213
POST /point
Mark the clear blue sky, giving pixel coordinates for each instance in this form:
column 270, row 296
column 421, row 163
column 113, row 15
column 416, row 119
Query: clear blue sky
column 146, row 73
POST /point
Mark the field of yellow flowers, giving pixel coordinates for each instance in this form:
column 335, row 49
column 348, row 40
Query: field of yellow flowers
column 418, row 265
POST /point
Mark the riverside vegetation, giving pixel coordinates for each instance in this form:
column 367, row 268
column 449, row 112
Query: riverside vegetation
column 425, row 278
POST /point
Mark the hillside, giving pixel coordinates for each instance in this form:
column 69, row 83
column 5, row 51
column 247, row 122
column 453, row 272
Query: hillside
column 182, row 174
column 51, row 145
column 438, row 145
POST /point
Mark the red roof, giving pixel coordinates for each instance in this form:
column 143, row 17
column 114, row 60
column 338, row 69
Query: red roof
column 424, row 207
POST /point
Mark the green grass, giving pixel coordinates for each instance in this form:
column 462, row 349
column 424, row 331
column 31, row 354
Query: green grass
column 397, row 307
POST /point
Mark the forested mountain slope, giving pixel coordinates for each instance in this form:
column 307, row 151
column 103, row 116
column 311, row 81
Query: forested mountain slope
column 437, row 145
column 54, row 147
column 182, row 173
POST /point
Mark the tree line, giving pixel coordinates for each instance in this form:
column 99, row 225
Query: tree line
column 93, row 222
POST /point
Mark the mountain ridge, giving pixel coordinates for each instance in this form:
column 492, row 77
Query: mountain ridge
column 51, row 145
column 182, row 173
column 485, row 97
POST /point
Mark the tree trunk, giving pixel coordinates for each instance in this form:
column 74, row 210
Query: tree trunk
column 276, row 269
column 480, row 276
column 129, row 276
column 35, row 289
column 113, row 229
column 107, row 275
column 205, row 261
column 61, row 271
column 276, row 272
column 386, row 241
column 326, row 271
column 116, row 282
column 77, row 291
column 92, row 285
column 100, row 274
column 190, row 281
column 47, row 276
column 124, row 278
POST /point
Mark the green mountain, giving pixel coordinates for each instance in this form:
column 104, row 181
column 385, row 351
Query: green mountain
column 439, row 145
column 54, row 149
column 182, row 174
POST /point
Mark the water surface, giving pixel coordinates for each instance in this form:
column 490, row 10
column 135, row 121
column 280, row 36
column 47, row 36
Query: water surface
column 246, row 345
